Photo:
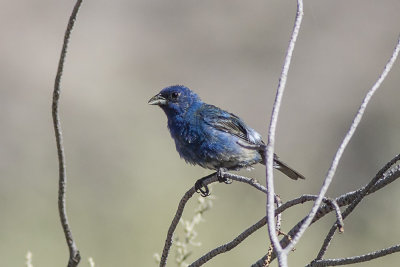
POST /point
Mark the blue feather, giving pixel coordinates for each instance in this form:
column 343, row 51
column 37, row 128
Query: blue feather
column 209, row 136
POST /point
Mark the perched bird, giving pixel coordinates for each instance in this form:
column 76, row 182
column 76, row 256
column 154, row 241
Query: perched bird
column 211, row 137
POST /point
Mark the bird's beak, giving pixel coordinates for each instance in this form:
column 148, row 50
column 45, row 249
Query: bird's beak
column 158, row 100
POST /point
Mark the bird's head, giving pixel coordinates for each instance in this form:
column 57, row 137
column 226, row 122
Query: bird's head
column 176, row 99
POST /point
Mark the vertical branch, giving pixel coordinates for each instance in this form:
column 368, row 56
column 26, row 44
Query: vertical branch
column 271, row 136
column 74, row 256
column 339, row 153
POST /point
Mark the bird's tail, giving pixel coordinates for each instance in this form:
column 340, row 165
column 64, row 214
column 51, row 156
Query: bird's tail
column 284, row 168
column 280, row 165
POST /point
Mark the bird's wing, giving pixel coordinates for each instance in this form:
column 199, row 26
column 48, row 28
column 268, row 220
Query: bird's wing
column 229, row 123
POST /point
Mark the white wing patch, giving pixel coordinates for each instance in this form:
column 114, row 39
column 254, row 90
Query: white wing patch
column 253, row 136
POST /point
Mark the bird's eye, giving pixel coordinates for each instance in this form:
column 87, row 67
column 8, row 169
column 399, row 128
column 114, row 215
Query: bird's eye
column 174, row 95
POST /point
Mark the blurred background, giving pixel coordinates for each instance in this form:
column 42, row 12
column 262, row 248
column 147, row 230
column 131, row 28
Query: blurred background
column 124, row 176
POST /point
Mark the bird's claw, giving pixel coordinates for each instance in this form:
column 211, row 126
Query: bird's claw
column 199, row 185
column 203, row 189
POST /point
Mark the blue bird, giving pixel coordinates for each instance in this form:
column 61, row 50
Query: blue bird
column 211, row 137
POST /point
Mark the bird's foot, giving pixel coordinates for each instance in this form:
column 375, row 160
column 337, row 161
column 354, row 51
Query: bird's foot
column 201, row 187
column 221, row 178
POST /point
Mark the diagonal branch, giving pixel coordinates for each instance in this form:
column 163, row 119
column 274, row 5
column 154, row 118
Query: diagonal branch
column 246, row 233
column 74, row 256
column 230, row 245
column 352, row 206
column 356, row 259
column 343, row 200
column 271, row 136
column 177, row 217
column 185, row 199
column 339, row 153
column 346, row 199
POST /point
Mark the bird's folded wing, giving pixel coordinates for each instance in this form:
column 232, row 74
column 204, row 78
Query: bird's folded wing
column 226, row 122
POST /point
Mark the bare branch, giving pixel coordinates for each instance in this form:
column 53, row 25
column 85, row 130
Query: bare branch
column 317, row 212
column 341, row 201
column 188, row 195
column 356, row 259
column 253, row 182
column 349, row 209
column 237, row 240
column 271, row 137
column 74, row 256
column 305, row 198
column 230, row 245
column 388, row 177
column 339, row 153
column 177, row 217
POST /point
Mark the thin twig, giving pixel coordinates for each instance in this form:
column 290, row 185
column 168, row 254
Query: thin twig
column 177, row 217
column 168, row 242
column 271, row 136
column 188, row 195
column 230, row 245
column 74, row 256
column 339, row 217
column 356, row 259
column 352, row 206
column 305, row 198
column 343, row 200
column 325, row 209
column 237, row 240
column 253, row 182
column 339, row 153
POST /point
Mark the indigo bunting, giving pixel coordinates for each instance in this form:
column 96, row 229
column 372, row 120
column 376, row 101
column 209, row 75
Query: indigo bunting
column 211, row 137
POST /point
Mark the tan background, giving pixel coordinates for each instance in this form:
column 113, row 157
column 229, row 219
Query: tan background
column 124, row 175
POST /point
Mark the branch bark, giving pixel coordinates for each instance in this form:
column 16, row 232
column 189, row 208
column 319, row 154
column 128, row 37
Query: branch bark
column 74, row 256
column 181, row 207
column 354, row 204
column 282, row 256
column 386, row 175
column 385, row 179
column 356, row 259
column 343, row 145
column 246, row 233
